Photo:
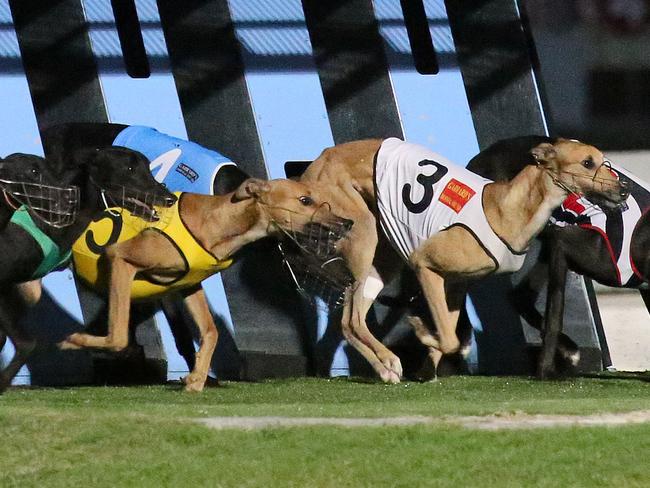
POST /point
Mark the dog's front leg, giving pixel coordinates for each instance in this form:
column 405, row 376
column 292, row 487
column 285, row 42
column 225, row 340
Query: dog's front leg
column 23, row 342
column 358, row 251
column 11, row 308
column 197, row 305
column 558, row 269
column 122, row 273
column 355, row 330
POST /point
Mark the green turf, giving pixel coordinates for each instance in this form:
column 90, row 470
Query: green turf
column 144, row 436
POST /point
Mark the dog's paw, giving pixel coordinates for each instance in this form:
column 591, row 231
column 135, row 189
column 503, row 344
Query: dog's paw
column 391, row 368
column 196, row 387
column 395, row 365
column 194, row 382
column 388, row 376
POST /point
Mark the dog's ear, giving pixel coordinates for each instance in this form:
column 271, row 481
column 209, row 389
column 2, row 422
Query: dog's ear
column 76, row 165
column 544, row 153
column 80, row 157
column 252, row 188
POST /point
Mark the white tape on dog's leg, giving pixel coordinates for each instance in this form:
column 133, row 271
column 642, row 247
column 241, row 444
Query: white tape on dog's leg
column 373, row 286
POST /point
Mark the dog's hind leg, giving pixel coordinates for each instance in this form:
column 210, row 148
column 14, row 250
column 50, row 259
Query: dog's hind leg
column 453, row 253
column 445, row 302
column 197, row 305
column 427, row 339
column 173, row 309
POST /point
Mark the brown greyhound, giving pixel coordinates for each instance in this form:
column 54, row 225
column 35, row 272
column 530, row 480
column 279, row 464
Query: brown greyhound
column 202, row 236
column 484, row 227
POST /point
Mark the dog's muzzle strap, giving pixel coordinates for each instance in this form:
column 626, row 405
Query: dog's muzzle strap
column 317, row 279
column 57, row 206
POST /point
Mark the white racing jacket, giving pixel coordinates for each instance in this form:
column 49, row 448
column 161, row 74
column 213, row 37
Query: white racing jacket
column 420, row 193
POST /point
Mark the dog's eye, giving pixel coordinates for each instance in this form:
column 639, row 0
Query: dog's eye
column 130, row 169
column 588, row 163
column 306, row 201
column 35, row 171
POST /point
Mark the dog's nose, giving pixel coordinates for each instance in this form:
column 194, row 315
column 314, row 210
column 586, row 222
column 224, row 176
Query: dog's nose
column 170, row 200
column 347, row 224
column 625, row 189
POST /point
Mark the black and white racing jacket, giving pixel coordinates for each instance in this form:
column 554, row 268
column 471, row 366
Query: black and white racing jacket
column 615, row 227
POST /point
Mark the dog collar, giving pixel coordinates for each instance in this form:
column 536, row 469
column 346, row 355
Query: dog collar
column 52, row 256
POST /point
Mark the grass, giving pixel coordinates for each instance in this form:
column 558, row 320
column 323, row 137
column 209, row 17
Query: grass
column 145, row 437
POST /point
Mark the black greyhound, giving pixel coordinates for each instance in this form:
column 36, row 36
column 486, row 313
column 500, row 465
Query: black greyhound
column 113, row 174
column 23, row 176
column 61, row 140
column 587, row 249
column 27, row 179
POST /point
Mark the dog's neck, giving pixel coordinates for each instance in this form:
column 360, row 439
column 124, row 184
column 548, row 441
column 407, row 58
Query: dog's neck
column 519, row 209
column 221, row 224
column 90, row 206
column 5, row 213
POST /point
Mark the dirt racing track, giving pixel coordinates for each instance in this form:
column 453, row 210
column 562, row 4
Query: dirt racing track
column 517, row 420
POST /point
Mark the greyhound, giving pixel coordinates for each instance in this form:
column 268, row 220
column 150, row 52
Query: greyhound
column 483, row 228
column 29, row 182
column 203, row 236
column 29, row 248
column 596, row 247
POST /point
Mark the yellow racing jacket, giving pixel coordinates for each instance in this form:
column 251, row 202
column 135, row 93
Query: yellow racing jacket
column 118, row 225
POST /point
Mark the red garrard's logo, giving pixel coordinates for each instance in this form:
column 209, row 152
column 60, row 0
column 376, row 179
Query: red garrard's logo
column 456, row 195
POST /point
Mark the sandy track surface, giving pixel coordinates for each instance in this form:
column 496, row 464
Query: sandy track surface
column 266, row 422
column 490, row 422
column 525, row 421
